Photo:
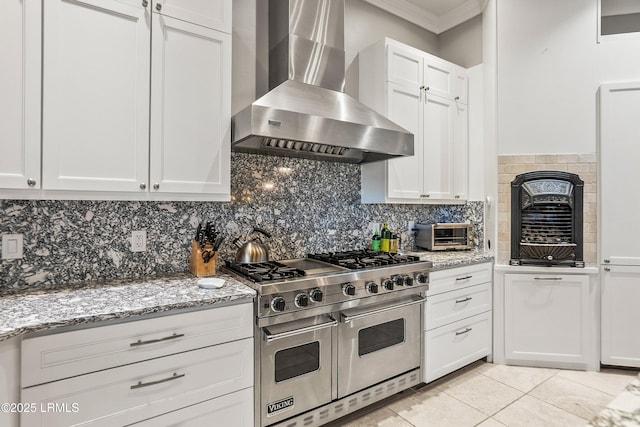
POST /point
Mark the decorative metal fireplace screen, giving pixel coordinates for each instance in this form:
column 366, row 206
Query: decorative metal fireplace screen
column 547, row 219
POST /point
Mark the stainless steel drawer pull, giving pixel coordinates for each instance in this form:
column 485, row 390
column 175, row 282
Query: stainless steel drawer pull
column 271, row 337
column 140, row 342
column 140, row 384
column 463, row 278
column 347, row 319
column 466, row 331
column 458, row 301
column 547, row 278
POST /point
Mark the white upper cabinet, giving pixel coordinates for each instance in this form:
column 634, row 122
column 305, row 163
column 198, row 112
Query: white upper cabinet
column 20, row 47
column 135, row 103
column 190, row 108
column 427, row 96
column 95, row 102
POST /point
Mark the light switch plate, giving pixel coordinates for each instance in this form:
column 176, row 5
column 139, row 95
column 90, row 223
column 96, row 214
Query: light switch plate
column 12, row 246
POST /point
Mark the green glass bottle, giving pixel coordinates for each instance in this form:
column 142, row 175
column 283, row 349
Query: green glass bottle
column 385, row 238
column 375, row 241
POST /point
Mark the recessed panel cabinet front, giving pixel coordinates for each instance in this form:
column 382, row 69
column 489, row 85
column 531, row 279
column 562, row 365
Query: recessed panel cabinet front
column 190, row 108
column 95, row 101
column 547, row 319
column 20, row 44
column 405, row 174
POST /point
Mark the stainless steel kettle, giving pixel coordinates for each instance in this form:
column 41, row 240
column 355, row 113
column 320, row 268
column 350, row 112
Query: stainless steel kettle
column 251, row 251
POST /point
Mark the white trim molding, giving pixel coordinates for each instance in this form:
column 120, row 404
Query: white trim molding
column 428, row 20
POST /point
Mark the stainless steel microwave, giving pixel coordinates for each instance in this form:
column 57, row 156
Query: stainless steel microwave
column 444, row 236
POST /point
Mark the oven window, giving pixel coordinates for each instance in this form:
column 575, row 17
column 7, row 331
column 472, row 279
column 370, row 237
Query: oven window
column 380, row 336
column 297, row 361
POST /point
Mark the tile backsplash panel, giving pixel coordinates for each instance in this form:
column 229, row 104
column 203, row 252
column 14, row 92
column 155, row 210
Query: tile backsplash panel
column 584, row 165
column 308, row 206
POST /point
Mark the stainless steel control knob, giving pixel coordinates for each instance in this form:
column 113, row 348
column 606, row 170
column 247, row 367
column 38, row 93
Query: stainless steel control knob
column 348, row 289
column 278, row 304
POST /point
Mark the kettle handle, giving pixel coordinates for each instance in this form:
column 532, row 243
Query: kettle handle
column 236, row 240
column 262, row 231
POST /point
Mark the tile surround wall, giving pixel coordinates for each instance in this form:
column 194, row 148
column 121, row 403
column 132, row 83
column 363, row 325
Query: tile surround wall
column 308, row 206
column 583, row 165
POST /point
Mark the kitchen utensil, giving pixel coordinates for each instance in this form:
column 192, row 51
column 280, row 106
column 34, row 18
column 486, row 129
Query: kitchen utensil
column 251, row 251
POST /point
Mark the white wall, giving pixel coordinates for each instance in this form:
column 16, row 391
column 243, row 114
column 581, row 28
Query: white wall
column 549, row 68
column 462, row 44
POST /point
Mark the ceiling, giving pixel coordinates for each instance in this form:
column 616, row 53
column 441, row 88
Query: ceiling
column 436, row 16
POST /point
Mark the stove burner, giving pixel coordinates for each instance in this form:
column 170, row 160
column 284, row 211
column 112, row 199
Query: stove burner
column 364, row 258
column 265, row 271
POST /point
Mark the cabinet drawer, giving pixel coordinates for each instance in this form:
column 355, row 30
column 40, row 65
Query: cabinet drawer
column 449, row 307
column 66, row 354
column 456, row 345
column 456, row 278
column 142, row 390
column 235, row 409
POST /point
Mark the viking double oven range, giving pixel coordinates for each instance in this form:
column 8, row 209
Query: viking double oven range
column 334, row 332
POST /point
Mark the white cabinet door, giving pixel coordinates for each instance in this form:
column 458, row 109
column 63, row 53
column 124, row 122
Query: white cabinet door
column 439, row 77
column 547, row 319
column 404, row 66
column 20, row 47
column 461, row 86
column 460, row 151
column 620, row 316
column 619, row 152
column 191, row 108
column 95, row 95
column 214, row 14
column 439, row 117
column 405, row 175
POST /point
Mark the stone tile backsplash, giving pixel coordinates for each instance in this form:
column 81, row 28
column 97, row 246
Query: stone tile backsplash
column 308, row 206
column 584, row 165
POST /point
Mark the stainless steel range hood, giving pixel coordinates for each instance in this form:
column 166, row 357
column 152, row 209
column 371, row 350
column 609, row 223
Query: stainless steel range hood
column 306, row 113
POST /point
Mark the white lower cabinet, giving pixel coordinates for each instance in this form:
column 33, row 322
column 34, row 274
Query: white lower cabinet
column 189, row 385
column 620, row 316
column 458, row 319
column 547, row 320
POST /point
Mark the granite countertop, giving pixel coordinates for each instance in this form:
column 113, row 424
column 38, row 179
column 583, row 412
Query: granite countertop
column 624, row 410
column 23, row 313
column 450, row 259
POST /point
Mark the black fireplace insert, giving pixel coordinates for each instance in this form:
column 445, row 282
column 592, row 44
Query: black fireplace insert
column 547, row 219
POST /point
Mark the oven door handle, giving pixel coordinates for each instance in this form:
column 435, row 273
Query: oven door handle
column 347, row 319
column 272, row 337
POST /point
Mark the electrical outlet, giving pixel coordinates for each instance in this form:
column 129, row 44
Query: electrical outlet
column 139, row 241
column 12, row 246
column 373, row 226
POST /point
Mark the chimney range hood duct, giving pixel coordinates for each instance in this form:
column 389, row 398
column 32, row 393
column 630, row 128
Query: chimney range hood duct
column 306, row 112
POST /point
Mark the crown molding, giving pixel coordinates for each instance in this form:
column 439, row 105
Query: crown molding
column 430, row 21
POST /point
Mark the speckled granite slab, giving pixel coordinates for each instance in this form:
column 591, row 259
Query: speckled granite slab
column 623, row 411
column 32, row 312
column 450, row 259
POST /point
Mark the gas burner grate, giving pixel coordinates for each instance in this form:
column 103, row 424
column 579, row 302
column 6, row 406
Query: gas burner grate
column 265, row 271
column 364, row 258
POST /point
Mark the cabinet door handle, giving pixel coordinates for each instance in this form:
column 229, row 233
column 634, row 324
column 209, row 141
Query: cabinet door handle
column 158, row 7
column 547, row 278
column 463, row 278
column 143, row 186
column 140, row 384
column 156, row 186
column 607, row 268
column 145, row 3
column 31, row 182
column 140, row 342
column 458, row 301
column 466, row 331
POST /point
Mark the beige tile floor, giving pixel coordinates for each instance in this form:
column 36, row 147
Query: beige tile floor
column 488, row 395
